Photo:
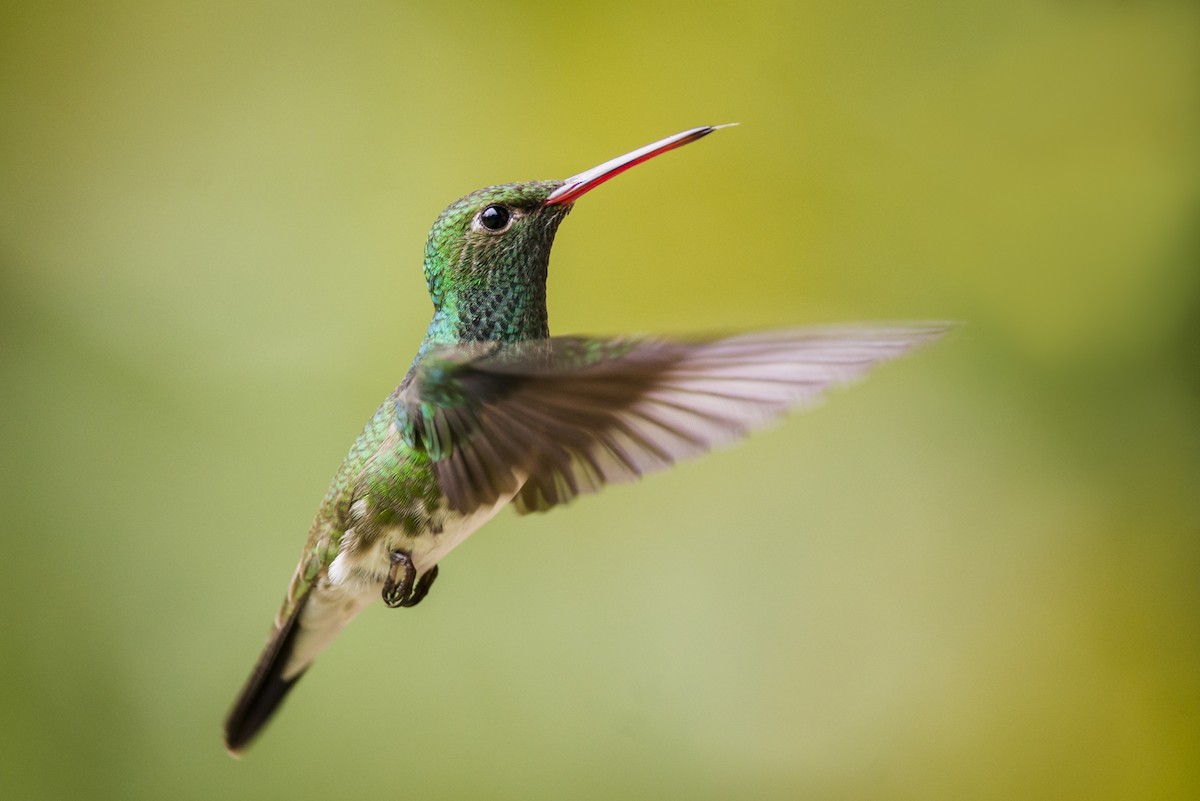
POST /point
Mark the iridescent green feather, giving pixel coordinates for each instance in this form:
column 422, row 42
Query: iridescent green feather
column 332, row 518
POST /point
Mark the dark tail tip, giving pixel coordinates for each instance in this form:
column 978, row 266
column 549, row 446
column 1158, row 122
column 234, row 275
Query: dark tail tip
column 264, row 691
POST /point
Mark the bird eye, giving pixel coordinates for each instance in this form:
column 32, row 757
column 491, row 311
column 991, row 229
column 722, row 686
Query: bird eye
column 495, row 218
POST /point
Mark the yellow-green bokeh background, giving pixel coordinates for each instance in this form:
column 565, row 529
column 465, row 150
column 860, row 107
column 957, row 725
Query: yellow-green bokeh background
column 974, row 576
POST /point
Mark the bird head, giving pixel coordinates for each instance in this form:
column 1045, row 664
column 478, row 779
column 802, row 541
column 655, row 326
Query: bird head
column 488, row 253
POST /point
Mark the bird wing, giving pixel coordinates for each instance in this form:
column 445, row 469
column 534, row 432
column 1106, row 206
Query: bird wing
column 556, row 418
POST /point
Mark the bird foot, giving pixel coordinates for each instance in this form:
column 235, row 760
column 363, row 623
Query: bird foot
column 402, row 587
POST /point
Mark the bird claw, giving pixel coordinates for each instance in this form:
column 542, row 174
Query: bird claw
column 402, row 587
column 398, row 587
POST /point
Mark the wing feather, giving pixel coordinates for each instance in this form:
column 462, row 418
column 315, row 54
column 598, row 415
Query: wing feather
column 566, row 416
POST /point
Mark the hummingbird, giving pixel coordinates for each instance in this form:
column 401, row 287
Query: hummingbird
column 495, row 412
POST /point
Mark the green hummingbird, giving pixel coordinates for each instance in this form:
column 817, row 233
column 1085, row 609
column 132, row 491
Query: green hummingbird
column 495, row 411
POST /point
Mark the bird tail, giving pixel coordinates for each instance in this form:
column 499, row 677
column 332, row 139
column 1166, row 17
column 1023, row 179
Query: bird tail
column 266, row 687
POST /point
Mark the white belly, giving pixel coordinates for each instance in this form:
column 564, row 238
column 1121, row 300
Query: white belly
column 355, row 578
column 365, row 570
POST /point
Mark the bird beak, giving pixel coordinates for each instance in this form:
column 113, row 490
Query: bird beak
column 586, row 181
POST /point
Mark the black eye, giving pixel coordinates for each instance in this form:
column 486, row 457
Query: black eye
column 494, row 218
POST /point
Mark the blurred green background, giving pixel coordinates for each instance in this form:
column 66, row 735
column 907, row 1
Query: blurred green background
column 974, row 576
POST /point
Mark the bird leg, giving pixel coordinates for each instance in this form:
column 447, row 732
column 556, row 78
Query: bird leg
column 402, row 587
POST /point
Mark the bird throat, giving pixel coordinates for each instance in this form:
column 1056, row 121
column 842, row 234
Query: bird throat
column 515, row 312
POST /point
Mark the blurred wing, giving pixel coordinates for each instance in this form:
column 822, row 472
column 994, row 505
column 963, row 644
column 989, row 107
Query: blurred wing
column 553, row 419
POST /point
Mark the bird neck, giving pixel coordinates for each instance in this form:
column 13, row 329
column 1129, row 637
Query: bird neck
column 507, row 314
